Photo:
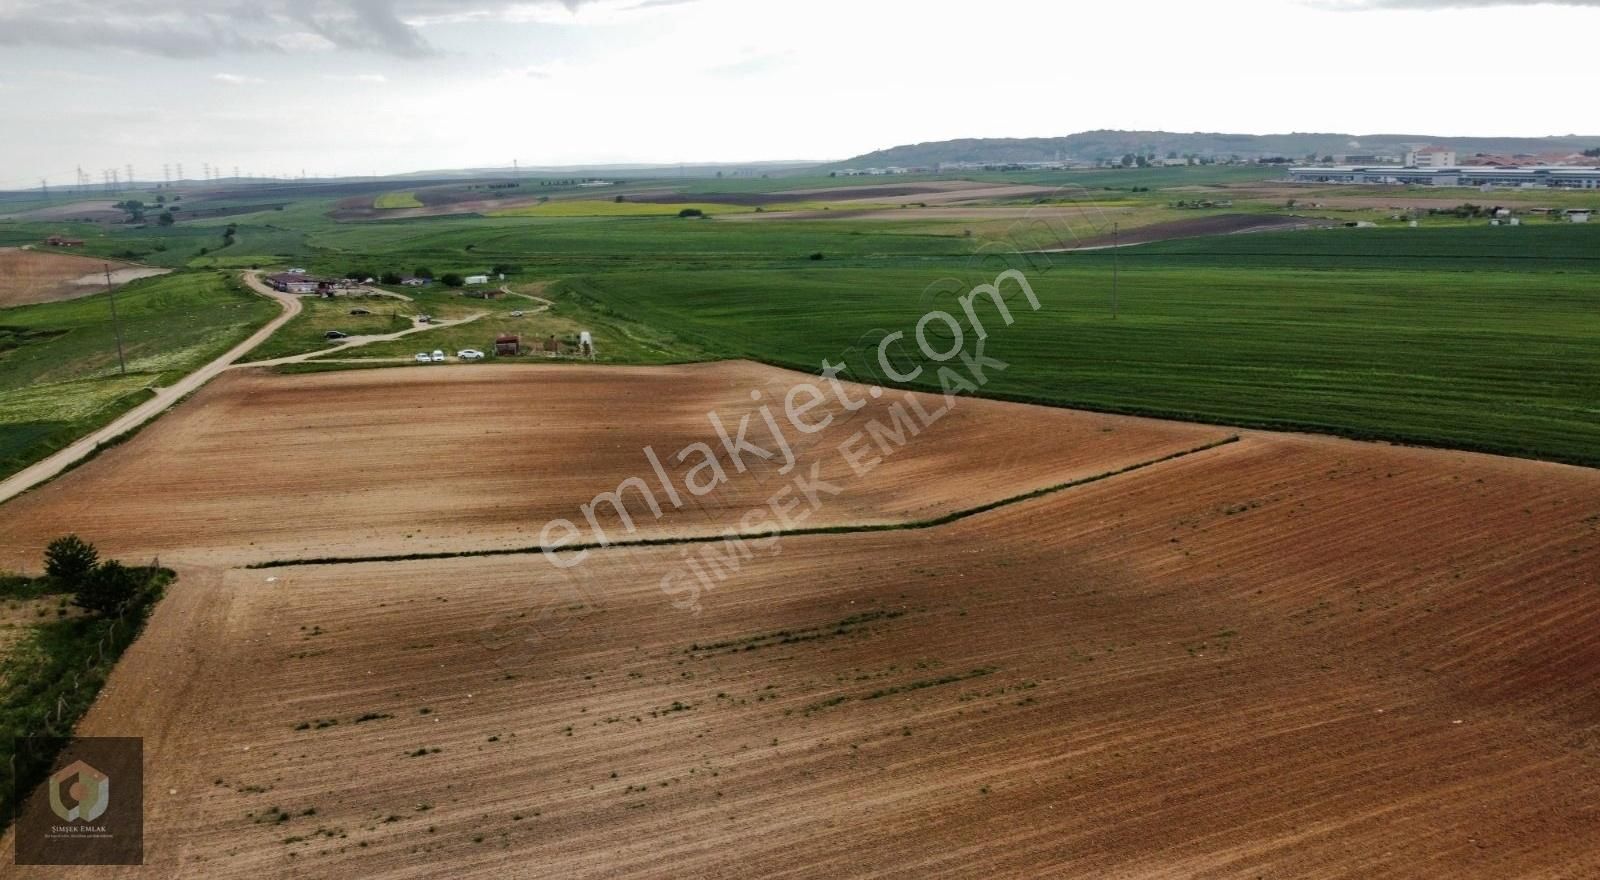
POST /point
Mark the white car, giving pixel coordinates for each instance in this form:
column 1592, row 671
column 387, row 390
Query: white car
column 422, row 357
column 516, row 314
column 469, row 354
column 438, row 356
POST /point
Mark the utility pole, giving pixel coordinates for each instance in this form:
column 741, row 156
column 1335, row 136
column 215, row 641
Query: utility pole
column 1116, row 245
column 116, row 323
column 44, row 188
column 130, row 176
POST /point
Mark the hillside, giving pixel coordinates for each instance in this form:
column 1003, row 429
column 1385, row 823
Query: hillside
column 1095, row 145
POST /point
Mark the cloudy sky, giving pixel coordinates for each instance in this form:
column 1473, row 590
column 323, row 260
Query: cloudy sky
column 364, row 86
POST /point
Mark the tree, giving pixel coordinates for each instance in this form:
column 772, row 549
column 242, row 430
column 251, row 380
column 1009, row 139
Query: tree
column 504, row 269
column 691, row 212
column 107, row 589
column 390, row 278
column 166, row 218
column 70, row 559
column 1594, row 152
column 423, row 272
column 451, row 279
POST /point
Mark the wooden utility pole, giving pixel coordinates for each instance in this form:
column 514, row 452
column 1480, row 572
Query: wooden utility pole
column 116, row 323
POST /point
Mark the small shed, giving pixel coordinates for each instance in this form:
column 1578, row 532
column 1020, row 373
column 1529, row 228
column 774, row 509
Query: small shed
column 507, row 343
column 477, row 279
column 1577, row 216
column 63, row 241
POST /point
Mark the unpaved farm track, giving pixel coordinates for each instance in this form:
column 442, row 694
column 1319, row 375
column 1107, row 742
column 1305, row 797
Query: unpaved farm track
column 1287, row 657
column 48, row 468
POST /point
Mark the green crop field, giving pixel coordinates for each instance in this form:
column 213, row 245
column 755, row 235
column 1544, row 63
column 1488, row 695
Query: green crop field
column 396, row 200
column 58, row 361
column 1493, row 360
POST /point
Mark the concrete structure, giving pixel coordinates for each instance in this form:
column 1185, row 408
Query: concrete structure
column 1578, row 216
column 1431, row 157
column 477, row 279
column 294, row 282
column 1541, row 176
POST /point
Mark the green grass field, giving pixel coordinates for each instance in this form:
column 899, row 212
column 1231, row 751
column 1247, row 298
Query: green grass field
column 58, row 361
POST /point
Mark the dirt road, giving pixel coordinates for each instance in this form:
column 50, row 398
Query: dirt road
column 33, row 475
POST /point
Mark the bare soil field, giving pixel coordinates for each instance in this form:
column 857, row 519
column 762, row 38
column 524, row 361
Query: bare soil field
column 443, row 459
column 1196, row 227
column 32, row 276
column 94, row 210
column 1285, row 657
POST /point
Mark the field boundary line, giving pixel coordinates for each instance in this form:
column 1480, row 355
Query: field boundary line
column 846, row 529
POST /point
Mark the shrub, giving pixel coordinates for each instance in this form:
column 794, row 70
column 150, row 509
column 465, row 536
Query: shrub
column 107, row 589
column 817, row 255
column 390, row 278
column 451, row 279
column 69, row 560
column 691, row 212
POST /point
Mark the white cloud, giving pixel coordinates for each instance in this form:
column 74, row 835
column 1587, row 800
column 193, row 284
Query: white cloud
column 376, row 79
column 234, row 79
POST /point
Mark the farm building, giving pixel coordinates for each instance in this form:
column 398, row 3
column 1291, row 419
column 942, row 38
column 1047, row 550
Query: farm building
column 477, row 279
column 293, row 282
column 63, row 241
column 1577, row 216
column 487, row 293
column 507, row 343
column 413, row 281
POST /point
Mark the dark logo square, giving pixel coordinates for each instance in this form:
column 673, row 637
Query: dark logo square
column 89, row 809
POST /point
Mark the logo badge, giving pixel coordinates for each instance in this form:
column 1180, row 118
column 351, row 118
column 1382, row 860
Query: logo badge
column 88, row 789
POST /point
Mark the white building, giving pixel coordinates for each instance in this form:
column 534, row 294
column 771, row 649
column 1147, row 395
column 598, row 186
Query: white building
column 477, row 279
column 1578, row 216
column 1431, row 157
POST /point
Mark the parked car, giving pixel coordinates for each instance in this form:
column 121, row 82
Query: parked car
column 516, row 314
column 438, row 356
column 424, row 319
column 422, row 357
column 469, row 354
column 335, row 334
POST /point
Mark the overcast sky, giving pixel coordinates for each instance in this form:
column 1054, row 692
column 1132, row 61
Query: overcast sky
column 364, row 86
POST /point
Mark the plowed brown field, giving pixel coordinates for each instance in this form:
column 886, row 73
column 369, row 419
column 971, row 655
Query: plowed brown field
column 29, row 276
column 432, row 459
column 1286, row 657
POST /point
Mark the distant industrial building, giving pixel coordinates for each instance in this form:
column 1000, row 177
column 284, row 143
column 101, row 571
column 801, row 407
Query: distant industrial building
column 1431, row 157
column 1542, row 176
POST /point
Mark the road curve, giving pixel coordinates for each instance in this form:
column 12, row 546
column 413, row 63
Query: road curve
column 41, row 471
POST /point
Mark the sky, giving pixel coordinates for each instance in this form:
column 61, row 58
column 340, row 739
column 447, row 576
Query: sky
column 356, row 87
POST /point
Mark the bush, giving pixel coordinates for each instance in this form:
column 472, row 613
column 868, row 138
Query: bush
column 691, row 212
column 69, row 560
column 108, row 589
column 817, row 255
column 451, row 279
column 390, row 278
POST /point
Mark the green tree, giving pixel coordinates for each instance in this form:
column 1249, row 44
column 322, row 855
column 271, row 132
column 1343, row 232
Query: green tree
column 451, row 279
column 107, row 589
column 423, row 272
column 69, row 560
column 166, row 218
column 390, row 278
